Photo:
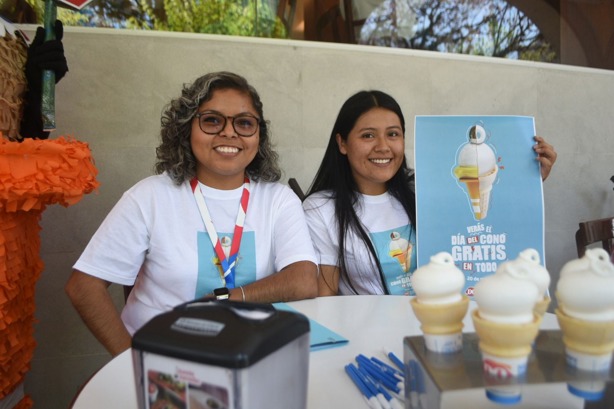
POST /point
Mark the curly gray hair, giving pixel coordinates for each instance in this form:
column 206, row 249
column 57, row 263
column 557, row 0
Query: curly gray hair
column 174, row 154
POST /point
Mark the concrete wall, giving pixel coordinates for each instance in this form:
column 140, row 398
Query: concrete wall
column 119, row 81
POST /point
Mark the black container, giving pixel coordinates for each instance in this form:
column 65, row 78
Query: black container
column 222, row 355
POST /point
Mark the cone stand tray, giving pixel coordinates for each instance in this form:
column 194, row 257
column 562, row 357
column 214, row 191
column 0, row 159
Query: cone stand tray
column 460, row 380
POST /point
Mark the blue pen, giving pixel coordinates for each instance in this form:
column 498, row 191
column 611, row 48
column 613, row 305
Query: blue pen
column 363, row 360
column 393, row 373
column 394, row 404
column 372, row 385
column 389, row 372
column 366, row 392
column 396, row 376
column 389, row 380
column 388, row 368
column 396, row 361
column 412, row 381
column 379, row 376
column 372, row 362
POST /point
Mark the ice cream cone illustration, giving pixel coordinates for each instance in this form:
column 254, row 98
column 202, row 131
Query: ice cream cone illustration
column 226, row 242
column 439, row 304
column 400, row 249
column 477, row 170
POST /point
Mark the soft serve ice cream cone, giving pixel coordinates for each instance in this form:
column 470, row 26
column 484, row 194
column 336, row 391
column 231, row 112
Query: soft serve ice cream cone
column 585, row 292
column 528, row 264
column 542, row 305
column 439, row 304
column 477, row 169
column 505, row 321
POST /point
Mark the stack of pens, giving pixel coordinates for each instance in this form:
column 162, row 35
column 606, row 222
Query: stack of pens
column 382, row 385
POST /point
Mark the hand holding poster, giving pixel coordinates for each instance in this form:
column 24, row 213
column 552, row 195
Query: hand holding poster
column 478, row 191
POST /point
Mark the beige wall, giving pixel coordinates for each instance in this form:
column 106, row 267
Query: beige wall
column 119, row 81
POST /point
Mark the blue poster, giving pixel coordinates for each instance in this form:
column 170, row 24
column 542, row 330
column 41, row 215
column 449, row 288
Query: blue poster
column 478, row 191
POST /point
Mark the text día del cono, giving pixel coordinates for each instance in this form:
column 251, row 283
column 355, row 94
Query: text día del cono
column 483, row 247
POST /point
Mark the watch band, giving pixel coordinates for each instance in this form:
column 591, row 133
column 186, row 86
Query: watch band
column 221, row 293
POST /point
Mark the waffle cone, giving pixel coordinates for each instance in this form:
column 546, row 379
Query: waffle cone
column 505, row 339
column 441, row 319
column 484, row 203
column 477, row 201
column 478, row 191
column 542, row 306
column 587, row 337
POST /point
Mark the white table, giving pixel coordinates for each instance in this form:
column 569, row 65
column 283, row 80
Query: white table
column 373, row 325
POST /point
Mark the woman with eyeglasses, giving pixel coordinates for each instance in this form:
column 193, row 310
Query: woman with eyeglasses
column 213, row 221
column 363, row 193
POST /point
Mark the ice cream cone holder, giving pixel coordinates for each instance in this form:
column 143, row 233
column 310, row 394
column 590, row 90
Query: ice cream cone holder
column 460, row 380
column 441, row 325
column 506, row 340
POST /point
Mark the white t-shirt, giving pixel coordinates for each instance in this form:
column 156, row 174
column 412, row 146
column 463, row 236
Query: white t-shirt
column 389, row 228
column 157, row 229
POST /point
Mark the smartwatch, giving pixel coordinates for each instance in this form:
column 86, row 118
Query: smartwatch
column 221, row 293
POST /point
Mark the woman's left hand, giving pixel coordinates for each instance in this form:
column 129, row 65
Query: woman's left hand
column 546, row 155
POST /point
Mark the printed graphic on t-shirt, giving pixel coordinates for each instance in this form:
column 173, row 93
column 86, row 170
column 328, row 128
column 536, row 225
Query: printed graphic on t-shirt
column 395, row 250
column 210, row 271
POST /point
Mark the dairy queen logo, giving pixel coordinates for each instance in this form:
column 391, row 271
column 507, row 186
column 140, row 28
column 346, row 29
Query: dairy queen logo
column 469, row 291
column 497, row 369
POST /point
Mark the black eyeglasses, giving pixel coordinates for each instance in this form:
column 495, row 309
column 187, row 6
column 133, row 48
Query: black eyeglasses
column 212, row 123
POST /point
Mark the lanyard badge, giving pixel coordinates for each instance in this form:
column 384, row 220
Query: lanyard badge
column 227, row 263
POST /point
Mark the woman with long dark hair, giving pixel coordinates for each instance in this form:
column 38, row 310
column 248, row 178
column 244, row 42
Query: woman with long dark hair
column 361, row 205
column 361, row 208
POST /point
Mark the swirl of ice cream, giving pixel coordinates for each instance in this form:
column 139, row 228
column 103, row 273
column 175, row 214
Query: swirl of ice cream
column 585, row 289
column 508, row 296
column 527, row 266
column 476, row 159
column 439, row 281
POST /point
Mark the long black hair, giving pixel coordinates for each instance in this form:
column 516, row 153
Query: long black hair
column 335, row 175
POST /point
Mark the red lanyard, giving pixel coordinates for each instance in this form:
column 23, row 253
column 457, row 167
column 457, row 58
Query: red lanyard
column 227, row 263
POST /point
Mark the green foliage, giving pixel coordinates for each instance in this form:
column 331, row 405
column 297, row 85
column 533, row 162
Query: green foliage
column 71, row 18
column 39, row 8
column 542, row 54
column 143, row 24
column 230, row 17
